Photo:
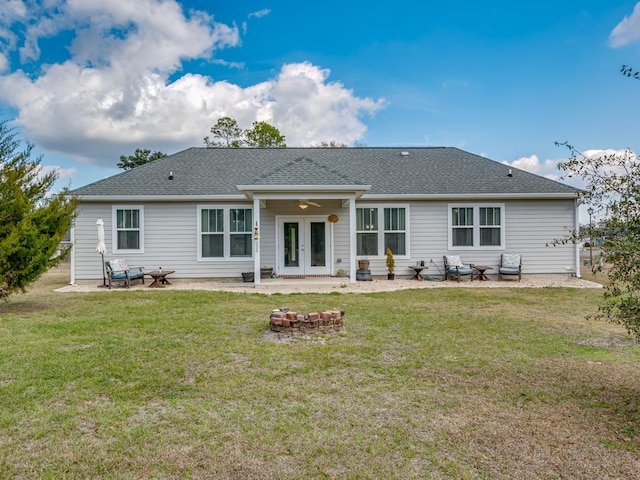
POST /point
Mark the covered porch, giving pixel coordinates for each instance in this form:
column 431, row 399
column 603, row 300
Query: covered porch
column 305, row 231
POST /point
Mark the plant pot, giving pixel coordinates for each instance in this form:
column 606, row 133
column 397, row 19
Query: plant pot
column 363, row 264
column 391, row 276
column 247, row 276
column 266, row 272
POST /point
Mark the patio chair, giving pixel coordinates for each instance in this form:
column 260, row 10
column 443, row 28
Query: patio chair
column 454, row 268
column 118, row 271
column 510, row 265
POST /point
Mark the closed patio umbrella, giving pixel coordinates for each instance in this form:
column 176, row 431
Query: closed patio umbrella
column 101, row 248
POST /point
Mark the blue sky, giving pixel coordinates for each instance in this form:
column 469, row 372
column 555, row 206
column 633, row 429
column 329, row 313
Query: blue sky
column 90, row 80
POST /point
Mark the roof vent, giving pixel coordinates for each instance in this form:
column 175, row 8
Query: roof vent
column 509, row 174
column 404, row 154
column 170, row 175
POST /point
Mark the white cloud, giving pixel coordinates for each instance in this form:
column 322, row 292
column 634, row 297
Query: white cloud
column 260, row 13
column 532, row 164
column 115, row 94
column 61, row 172
column 549, row 168
column 12, row 12
column 627, row 31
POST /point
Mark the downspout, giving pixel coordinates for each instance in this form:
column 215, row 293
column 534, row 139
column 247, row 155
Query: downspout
column 577, row 245
column 72, row 256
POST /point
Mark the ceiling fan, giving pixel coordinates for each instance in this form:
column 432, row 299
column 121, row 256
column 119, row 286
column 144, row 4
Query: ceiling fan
column 303, row 204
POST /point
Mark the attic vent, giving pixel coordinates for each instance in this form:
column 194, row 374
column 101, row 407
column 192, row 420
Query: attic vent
column 404, row 154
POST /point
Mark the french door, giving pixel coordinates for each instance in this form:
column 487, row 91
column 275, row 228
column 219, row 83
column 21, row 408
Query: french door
column 303, row 246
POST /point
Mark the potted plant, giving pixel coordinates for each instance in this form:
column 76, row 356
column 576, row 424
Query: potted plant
column 266, row 271
column 247, row 276
column 363, row 264
column 341, row 273
column 391, row 264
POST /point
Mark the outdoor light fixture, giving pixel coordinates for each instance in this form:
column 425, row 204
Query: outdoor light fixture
column 305, row 203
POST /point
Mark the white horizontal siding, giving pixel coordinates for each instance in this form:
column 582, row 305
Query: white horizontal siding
column 530, row 227
column 170, row 238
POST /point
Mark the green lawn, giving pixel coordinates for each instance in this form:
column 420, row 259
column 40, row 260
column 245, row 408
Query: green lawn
column 434, row 383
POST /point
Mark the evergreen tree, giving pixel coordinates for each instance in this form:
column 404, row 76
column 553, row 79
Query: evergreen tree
column 140, row 157
column 32, row 221
column 264, row 135
column 226, row 133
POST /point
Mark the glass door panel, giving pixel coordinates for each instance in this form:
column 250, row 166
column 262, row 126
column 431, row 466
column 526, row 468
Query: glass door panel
column 303, row 246
column 291, row 244
column 318, row 244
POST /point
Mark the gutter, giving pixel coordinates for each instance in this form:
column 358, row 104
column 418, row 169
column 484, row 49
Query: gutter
column 471, row 196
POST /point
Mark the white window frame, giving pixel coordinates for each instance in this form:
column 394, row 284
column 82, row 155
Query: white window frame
column 381, row 231
column 476, row 226
column 370, row 231
column 114, row 228
column 226, row 235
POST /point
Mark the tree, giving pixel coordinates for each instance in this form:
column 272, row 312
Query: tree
column 628, row 71
column 32, row 222
column 613, row 187
column 264, row 135
column 332, row 144
column 226, row 133
column 140, row 157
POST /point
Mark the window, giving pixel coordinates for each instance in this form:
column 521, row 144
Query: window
column 128, row 224
column 241, row 231
column 224, row 232
column 462, row 227
column 373, row 240
column 212, row 227
column 490, row 226
column 367, row 231
column 476, row 226
column 394, row 230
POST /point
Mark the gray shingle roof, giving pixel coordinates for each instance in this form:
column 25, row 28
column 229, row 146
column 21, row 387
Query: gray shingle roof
column 424, row 171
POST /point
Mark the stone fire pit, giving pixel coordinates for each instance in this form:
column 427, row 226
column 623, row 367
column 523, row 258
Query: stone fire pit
column 284, row 320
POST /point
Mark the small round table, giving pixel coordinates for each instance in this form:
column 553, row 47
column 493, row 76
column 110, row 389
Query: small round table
column 481, row 269
column 418, row 271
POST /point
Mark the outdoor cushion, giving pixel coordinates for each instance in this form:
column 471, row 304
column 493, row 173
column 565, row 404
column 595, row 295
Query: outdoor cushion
column 509, row 270
column 118, row 265
column 511, row 260
column 453, row 261
column 460, row 270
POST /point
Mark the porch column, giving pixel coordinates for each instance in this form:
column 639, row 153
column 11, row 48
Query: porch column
column 256, row 241
column 352, row 240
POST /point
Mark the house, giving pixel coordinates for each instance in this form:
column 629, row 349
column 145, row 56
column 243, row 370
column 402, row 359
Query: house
column 218, row 212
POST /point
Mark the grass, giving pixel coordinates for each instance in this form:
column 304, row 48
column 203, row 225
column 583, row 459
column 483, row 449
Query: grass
column 437, row 383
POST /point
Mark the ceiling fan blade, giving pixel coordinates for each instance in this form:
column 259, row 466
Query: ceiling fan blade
column 314, row 204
